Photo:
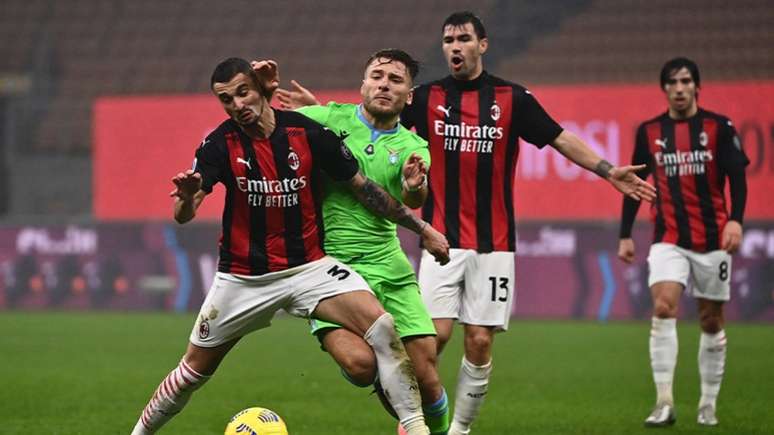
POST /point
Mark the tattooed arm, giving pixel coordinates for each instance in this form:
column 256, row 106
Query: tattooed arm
column 381, row 203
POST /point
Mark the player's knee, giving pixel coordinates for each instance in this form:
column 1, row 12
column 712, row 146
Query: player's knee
column 478, row 345
column 442, row 338
column 382, row 328
column 710, row 323
column 663, row 309
column 360, row 368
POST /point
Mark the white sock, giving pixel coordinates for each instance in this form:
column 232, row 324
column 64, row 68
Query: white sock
column 169, row 399
column 663, row 356
column 712, row 361
column 396, row 374
column 472, row 386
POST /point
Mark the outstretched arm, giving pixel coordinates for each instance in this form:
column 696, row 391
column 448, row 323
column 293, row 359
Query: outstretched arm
column 379, row 202
column 624, row 179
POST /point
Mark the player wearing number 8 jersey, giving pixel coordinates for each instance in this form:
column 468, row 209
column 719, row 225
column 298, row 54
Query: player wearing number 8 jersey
column 690, row 152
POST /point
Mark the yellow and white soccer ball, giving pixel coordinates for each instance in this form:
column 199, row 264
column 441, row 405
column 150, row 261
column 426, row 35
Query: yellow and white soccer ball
column 256, row 421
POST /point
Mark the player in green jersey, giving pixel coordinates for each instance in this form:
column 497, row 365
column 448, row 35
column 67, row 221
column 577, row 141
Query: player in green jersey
column 398, row 160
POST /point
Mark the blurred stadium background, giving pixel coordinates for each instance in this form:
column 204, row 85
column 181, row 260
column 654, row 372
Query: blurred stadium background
column 102, row 102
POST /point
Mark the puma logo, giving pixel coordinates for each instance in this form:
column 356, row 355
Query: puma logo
column 445, row 110
column 662, row 143
column 244, row 162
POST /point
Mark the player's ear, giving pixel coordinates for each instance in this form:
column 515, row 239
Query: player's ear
column 363, row 92
column 410, row 97
column 483, row 44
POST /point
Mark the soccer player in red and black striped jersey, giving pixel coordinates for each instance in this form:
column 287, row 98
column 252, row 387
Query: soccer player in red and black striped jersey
column 690, row 152
column 271, row 249
column 473, row 121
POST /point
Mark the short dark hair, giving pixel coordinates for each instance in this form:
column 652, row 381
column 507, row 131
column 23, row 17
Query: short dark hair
column 229, row 68
column 397, row 55
column 461, row 18
column 674, row 65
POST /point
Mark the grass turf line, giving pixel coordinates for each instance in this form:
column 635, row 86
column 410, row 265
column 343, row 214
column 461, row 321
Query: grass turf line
column 91, row 373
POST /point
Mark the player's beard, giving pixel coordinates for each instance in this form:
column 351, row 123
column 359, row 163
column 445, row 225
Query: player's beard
column 381, row 113
column 255, row 118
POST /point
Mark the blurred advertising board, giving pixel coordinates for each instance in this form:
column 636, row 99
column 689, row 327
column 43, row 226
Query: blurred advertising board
column 141, row 142
column 563, row 270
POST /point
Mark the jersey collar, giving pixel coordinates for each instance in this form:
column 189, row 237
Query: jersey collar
column 469, row 85
column 375, row 132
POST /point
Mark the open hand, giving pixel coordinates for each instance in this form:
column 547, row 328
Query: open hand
column 414, row 171
column 268, row 76
column 625, row 179
column 436, row 244
column 298, row 96
column 732, row 236
column 186, row 184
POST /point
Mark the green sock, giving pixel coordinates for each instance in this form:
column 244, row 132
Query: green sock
column 437, row 416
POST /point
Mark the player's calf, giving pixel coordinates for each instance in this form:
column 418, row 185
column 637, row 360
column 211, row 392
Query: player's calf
column 472, row 387
column 169, row 398
column 396, row 373
column 422, row 351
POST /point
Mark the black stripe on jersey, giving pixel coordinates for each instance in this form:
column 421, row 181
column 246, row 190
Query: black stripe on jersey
column 659, row 229
column 429, row 207
column 681, row 216
column 224, row 262
column 294, row 240
column 452, row 157
column 318, row 180
column 257, row 232
column 421, row 97
column 510, row 159
column 484, row 175
column 711, row 232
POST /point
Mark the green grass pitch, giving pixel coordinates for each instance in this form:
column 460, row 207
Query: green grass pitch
column 87, row 373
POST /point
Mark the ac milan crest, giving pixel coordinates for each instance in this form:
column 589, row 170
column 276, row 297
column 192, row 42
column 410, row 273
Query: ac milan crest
column 293, row 160
column 204, row 329
column 495, row 111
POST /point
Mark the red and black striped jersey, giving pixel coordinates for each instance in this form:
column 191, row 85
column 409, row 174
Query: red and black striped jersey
column 473, row 129
column 690, row 160
column 272, row 216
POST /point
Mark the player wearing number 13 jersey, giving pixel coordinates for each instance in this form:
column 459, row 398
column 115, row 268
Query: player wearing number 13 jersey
column 690, row 152
column 472, row 122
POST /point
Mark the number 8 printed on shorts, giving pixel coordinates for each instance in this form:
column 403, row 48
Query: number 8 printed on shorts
column 723, row 275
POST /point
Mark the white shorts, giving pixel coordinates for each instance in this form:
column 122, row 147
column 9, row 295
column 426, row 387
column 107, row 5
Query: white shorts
column 239, row 304
column 709, row 272
column 475, row 288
